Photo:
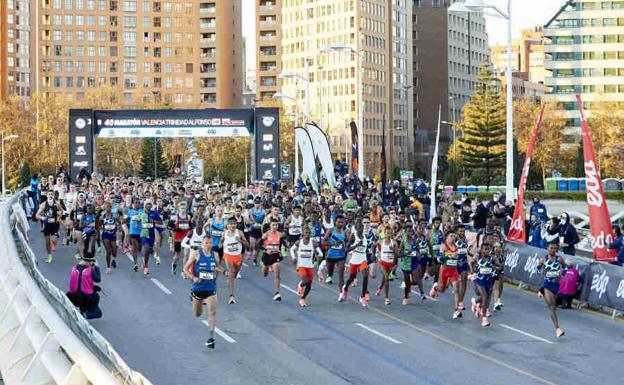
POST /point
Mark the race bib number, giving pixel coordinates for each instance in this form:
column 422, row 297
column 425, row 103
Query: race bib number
column 462, row 251
column 485, row 270
column 414, row 253
column 272, row 249
column 207, row 275
column 436, row 247
column 183, row 226
column 451, row 262
column 232, row 247
column 51, row 220
column 79, row 217
column 216, row 233
column 109, row 227
column 148, row 225
column 337, row 246
column 552, row 274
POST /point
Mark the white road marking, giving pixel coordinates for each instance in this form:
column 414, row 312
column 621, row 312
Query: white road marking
column 418, row 294
column 246, row 265
column 290, row 289
column 378, row 333
column 221, row 333
column 525, row 333
column 130, row 257
column 161, row 286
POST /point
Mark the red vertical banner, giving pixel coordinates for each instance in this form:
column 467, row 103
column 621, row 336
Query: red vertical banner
column 517, row 230
column 599, row 218
column 354, row 148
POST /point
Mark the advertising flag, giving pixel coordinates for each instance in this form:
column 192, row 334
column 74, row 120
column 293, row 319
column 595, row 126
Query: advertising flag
column 517, row 230
column 322, row 152
column 307, row 154
column 354, row 148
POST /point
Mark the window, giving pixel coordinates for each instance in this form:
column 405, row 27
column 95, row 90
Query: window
column 129, row 6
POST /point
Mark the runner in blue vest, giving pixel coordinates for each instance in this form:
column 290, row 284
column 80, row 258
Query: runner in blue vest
column 552, row 267
column 203, row 267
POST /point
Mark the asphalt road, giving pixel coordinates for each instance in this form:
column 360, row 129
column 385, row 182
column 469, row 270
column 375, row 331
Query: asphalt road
column 150, row 323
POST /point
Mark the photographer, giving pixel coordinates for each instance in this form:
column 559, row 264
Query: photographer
column 82, row 290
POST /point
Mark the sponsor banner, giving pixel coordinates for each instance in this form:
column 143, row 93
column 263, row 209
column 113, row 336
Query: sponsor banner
column 599, row 219
column 603, row 285
column 354, row 148
column 517, row 230
column 406, row 176
column 178, row 132
column 320, row 144
column 308, row 171
column 81, row 142
column 173, row 123
column 266, row 144
column 285, row 172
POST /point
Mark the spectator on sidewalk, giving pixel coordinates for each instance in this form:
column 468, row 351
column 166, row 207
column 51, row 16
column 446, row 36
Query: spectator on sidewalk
column 480, row 215
column 539, row 209
column 568, row 285
column 82, row 289
column 618, row 245
column 568, row 237
column 535, row 232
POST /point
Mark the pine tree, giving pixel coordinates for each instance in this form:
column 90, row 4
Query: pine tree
column 483, row 124
column 147, row 159
column 25, row 174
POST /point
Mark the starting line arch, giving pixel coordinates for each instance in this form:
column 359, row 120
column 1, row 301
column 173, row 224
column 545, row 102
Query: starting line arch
column 260, row 124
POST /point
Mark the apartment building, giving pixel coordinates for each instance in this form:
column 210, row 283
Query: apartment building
column 3, row 50
column 15, row 51
column 376, row 31
column 527, row 55
column 585, row 55
column 448, row 51
column 178, row 53
column 268, row 47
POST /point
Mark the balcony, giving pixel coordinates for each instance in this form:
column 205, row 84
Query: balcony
column 205, row 10
column 268, row 22
column 208, row 25
column 207, row 40
column 268, row 36
column 206, row 69
column 209, row 83
column 267, row 8
column 268, row 51
column 208, row 54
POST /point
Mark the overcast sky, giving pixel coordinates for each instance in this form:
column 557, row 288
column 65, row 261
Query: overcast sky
column 526, row 14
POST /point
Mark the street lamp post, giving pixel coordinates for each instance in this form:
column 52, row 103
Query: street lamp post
column 282, row 96
column 477, row 6
column 4, row 139
column 339, row 47
column 306, row 79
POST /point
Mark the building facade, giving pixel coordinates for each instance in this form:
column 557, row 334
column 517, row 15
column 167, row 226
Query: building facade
column 527, row 55
column 585, row 55
column 448, row 50
column 268, row 48
column 15, row 50
column 178, row 53
column 3, row 50
column 378, row 30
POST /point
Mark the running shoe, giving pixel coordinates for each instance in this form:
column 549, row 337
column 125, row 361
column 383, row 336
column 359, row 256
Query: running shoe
column 378, row 292
column 174, row 269
column 302, row 302
column 560, row 333
column 497, row 306
column 423, row 296
column 114, row 263
column 488, row 313
column 461, row 306
column 363, row 301
column 239, row 276
column 145, row 271
column 49, row 258
column 405, row 302
column 433, row 292
column 232, row 300
column 329, row 280
column 53, row 246
column 255, row 262
column 277, row 296
column 473, row 306
column 99, row 250
column 135, row 268
column 367, row 296
column 387, row 301
column 343, row 295
column 157, row 259
column 108, row 270
column 484, row 322
column 457, row 314
column 210, row 343
column 391, row 276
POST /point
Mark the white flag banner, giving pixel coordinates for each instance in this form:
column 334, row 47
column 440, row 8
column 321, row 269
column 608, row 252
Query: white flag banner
column 308, row 169
column 322, row 152
column 434, row 170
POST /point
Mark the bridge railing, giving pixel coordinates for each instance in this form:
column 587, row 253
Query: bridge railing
column 43, row 337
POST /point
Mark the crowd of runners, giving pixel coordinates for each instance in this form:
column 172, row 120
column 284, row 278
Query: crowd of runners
column 351, row 236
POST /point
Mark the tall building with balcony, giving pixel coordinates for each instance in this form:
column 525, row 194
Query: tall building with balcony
column 3, row 50
column 378, row 31
column 179, row 53
column 268, row 47
column 448, row 50
column 527, row 55
column 15, row 50
column 585, row 55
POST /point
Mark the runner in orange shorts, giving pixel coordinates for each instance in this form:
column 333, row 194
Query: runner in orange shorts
column 357, row 248
column 448, row 272
column 388, row 254
column 303, row 251
column 232, row 243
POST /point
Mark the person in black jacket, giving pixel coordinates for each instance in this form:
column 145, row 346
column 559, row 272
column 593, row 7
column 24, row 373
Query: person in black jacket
column 480, row 215
column 568, row 237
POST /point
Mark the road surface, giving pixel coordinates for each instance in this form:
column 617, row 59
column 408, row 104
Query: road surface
column 150, row 323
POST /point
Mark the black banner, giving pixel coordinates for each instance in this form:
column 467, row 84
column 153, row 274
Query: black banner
column 81, row 143
column 266, row 144
column 602, row 283
column 354, row 148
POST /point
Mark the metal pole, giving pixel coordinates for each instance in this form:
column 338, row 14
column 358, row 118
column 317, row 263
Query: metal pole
column 307, row 91
column 3, row 163
column 155, row 164
column 509, row 188
column 360, row 53
column 296, row 146
column 320, row 67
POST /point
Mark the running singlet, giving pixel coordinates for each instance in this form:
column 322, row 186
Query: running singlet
column 216, row 231
column 423, row 247
column 50, row 213
column 462, row 251
column 336, row 251
column 135, row 222
column 258, row 217
column 485, row 270
column 296, row 225
column 305, row 254
column 552, row 270
column 358, row 255
column 148, row 222
column 450, row 256
column 109, row 225
column 410, row 251
column 180, row 227
column 231, row 244
column 272, row 243
column 436, row 238
column 78, row 217
column 387, row 252
column 205, row 269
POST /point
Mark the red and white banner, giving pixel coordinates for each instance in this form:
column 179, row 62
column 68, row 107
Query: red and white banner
column 517, row 230
column 599, row 219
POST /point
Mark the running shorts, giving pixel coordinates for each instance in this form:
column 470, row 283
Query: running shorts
column 236, row 260
column 485, row 283
column 147, row 241
column 109, row 236
column 135, row 236
column 51, row 229
column 448, row 275
column 306, row 272
column 463, row 267
column 293, row 238
column 553, row 287
column 201, row 294
column 353, row 269
column 388, row 266
column 177, row 246
column 270, row 259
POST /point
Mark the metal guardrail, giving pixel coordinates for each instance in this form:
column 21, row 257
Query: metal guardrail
column 92, row 340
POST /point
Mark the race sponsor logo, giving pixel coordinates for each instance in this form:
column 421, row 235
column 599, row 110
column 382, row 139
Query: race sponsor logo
column 81, row 123
column 267, row 147
column 267, row 160
column 81, row 164
column 601, row 241
column 268, row 121
column 620, row 289
column 267, row 137
column 511, row 260
column 80, row 150
column 531, row 265
column 594, row 195
column 599, row 283
column 81, row 139
column 516, row 224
